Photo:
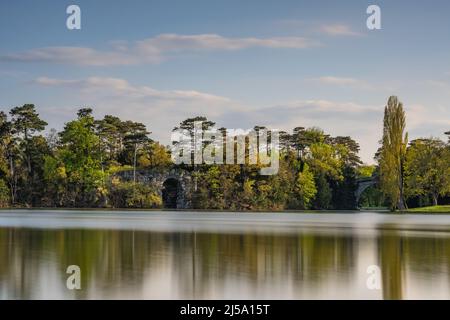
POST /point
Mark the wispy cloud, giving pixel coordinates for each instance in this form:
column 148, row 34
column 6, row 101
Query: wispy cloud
column 78, row 56
column 161, row 110
column 314, row 26
column 121, row 87
column 153, row 50
column 327, row 106
column 418, row 115
column 338, row 30
column 341, row 81
column 361, row 122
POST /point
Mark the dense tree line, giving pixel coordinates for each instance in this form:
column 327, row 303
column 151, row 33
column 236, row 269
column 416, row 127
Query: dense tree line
column 77, row 167
column 316, row 171
column 74, row 167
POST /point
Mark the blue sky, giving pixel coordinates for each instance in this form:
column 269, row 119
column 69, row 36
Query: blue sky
column 277, row 63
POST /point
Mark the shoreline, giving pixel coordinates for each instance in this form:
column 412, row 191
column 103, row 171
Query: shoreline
column 331, row 211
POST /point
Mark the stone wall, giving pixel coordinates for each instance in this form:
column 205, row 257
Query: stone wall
column 157, row 178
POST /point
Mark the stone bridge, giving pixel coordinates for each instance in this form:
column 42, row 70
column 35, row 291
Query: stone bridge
column 173, row 185
column 363, row 184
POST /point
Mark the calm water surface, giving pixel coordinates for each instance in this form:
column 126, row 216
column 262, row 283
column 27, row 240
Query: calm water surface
column 188, row 255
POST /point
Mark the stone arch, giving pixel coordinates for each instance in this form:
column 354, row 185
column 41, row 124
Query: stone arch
column 183, row 181
column 170, row 193
column 157, row 178
column 363, row 184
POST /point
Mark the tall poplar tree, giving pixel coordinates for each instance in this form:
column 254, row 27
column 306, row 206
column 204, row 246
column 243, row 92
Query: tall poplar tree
column 393, row 153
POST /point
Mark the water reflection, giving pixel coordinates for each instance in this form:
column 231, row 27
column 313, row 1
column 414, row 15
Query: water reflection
column 140, row 264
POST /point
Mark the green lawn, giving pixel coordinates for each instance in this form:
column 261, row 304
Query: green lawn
column 441, row 209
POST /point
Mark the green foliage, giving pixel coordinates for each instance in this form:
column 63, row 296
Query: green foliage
column 4, row 194
column 325, row 159
column 428, row 169
column 305, row 188
column 82, row 156
column 154, row 155
column 344, row 190
column 372, row 197
column 324, row 195
column 393, row 153
column 366, row 171
column 80, row 167
column 133, row 195
column 432, row 209
column 55, row 181
column 26, row 121
column 24, row 152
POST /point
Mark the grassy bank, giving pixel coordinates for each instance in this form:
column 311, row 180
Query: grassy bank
column 437, row 209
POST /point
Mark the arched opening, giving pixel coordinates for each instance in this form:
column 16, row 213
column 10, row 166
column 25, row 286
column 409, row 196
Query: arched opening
column 371, row 197
column 170, row 193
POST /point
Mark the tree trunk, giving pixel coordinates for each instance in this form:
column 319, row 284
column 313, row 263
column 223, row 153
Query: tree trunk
column 435, row 199
column 401, row 199
column 134, row 164
column 27, row 153
column 401, row 204
column 12, row 185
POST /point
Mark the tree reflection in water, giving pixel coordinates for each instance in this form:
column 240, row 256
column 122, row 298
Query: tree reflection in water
column 138, row 264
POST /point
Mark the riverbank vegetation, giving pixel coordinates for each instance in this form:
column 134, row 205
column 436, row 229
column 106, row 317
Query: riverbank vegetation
column 79, row 166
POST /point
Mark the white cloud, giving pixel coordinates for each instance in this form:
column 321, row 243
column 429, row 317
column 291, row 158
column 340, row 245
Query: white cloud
column 152, row 50
column 120, row 87
column 338, row 30
column 361, row 122
column 161, row 110
column 55, row 82
column 175, row 42
column 330, row 29
column 417, row 115
column 78, row 56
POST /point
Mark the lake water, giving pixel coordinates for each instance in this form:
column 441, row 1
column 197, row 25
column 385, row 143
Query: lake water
column 204, row 255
